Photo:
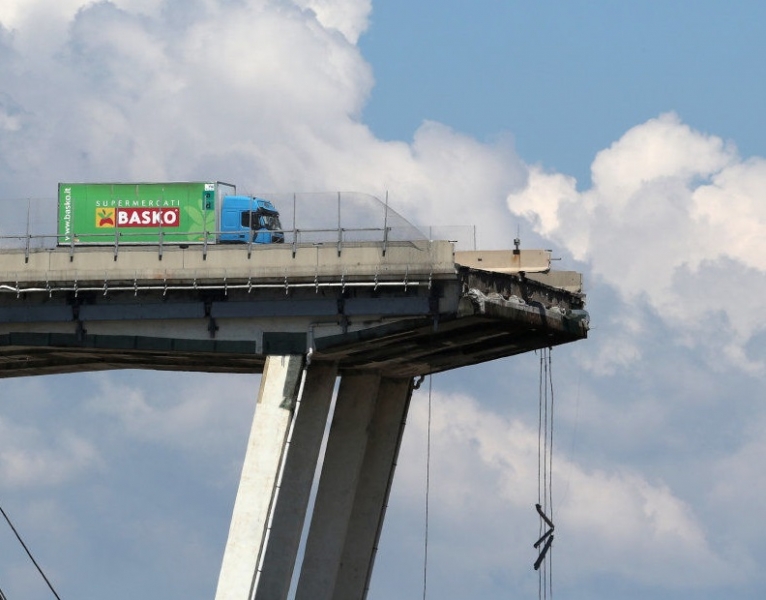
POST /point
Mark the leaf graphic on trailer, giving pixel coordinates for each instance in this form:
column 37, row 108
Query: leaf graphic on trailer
column 200, row 218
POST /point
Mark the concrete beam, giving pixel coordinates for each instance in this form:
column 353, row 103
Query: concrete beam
column 505, row 261
column 273, row 582
column 570, row 281
column 338, row 484
column 271, row 423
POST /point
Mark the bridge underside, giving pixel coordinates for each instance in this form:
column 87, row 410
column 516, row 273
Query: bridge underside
column 409, row 347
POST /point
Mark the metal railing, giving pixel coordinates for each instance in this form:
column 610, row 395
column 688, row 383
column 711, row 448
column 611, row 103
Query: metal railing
column 308, row 219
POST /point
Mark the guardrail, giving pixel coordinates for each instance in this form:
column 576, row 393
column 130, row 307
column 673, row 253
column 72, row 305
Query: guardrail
column 292, row 238
column 329, row 218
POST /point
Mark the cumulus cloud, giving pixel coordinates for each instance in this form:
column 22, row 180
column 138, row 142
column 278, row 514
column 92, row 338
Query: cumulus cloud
column 187, row 415
column 129, row 89
column 28, row 458
column 349, row 17
column 266, row 94
column 269, row 94
column 672, row 222
column 614, row 521
column 739, row 485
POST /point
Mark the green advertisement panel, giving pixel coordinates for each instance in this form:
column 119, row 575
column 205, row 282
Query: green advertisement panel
column 135, row 213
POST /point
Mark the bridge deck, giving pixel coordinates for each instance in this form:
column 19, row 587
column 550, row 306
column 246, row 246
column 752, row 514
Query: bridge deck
column 407, row 309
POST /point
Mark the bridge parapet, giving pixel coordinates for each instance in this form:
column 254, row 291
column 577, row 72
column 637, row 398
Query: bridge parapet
column 266, row 263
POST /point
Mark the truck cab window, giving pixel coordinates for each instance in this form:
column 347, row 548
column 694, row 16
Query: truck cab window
column 259, row 220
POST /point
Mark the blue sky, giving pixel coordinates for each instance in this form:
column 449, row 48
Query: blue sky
column 566, row 78
column 627, row 137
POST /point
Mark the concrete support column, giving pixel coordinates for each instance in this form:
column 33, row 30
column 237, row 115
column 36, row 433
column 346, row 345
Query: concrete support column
column 354, row 487
column 273, row 416
column 338, row 482
column 373, row 489
column 297, row 478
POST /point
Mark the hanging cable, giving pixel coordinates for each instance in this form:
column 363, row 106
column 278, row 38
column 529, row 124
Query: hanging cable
column 550, row 471
column 29, row 554
column 544, row 506
column 428, row 487
column 550, row 468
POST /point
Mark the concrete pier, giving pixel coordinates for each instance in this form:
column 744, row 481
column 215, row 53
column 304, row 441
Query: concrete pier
column 373, row 488
column 357, row 470
column 338, row 483
column 289, row 514
column 273, row 417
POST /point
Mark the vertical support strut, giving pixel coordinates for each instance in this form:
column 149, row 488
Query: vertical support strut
column 273, row 416
column 374, row 488
column 355, row 482
column 289, row 512
column 337, row 485
column 354, row 486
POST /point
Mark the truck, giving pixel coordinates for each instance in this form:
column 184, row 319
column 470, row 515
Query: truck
column 170, row 213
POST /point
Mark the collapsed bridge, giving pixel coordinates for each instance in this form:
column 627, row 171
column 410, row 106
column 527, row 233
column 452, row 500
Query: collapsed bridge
column 376, row 316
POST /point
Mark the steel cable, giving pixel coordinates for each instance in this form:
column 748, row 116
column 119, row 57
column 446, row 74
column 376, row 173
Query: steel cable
column 29, row 554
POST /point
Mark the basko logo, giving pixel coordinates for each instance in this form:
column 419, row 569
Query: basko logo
column 138, row 217
column 105, row 217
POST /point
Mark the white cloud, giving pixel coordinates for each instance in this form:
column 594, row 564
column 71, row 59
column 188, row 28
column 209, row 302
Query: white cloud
column 739, row 485
column 614, row 521
column 621, row 523
column 187, row 413
column 265, row 94
column 619, row 344
column 159, row 96
column 673, row 219
column 660, row 149
column 29, row 458
column 349, row 17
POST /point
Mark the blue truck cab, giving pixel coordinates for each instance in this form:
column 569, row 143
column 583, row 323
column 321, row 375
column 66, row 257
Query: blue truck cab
column 246, row 219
